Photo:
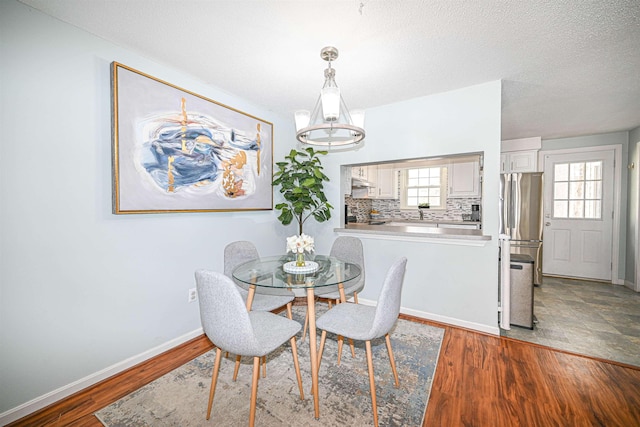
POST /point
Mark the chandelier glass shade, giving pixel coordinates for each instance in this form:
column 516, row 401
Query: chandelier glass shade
column 330, row 125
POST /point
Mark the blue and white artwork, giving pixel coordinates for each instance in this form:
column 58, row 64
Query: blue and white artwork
column 175, row 151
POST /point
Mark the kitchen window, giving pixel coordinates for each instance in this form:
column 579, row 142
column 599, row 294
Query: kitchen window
column 424, row 185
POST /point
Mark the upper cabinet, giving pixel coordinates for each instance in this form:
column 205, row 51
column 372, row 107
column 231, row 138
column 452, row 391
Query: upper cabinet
column 359, row 172
column 387, row 183
column 519, row 161
column 520, row 155
column 464, row 179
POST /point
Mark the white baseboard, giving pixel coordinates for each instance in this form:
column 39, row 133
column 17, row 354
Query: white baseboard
column 53, row 396
column 631, row 286
column 442, row 319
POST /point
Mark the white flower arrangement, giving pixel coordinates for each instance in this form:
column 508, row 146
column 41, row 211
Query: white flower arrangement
column 300, row 244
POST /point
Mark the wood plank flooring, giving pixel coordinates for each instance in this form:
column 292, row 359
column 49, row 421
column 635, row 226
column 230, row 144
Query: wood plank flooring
column 480, row 380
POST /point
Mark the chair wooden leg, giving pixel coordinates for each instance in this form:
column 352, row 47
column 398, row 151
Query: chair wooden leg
column 306, row 324
column 236, row 368
column 392, row 360
column 340, row 342
column 355, row 297
column 289, row 312
column 214, row 380
column 372, row 384
column 294, row 350
column 330, row 302
column 323, row 338
column 264, row 366
column 254, row 391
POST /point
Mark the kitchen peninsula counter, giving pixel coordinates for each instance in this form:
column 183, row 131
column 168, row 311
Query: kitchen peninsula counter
column 456, row 236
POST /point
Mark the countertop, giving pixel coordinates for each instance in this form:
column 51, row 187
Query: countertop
column 415, row 231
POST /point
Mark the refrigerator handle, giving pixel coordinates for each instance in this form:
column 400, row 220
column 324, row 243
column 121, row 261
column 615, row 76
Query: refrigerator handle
column 506, row 211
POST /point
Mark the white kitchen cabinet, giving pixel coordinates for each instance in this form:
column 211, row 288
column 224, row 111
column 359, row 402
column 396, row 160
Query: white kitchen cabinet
column 519, row 161
column 387, row 183
column 359, row 172
column 372, row 177
column 384, row 183
column 464, row 179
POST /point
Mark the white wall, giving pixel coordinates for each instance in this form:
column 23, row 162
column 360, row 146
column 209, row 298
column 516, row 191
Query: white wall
column 452, row 283
column 613, row 138
column 82, row 289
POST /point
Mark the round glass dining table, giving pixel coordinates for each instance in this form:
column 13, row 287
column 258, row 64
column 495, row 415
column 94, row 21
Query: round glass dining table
column 273, row 274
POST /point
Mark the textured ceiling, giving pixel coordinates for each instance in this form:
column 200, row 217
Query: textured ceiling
column 569, row 67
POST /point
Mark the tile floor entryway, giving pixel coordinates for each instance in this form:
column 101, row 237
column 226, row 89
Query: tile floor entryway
column 592, row 318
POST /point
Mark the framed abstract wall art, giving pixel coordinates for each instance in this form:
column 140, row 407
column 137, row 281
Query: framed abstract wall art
column 176, row 151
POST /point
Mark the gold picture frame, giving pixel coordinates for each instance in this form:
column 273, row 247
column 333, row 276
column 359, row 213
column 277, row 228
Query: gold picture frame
column 177, row 151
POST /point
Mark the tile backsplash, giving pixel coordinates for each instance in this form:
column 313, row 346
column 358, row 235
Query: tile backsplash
column 390, row 208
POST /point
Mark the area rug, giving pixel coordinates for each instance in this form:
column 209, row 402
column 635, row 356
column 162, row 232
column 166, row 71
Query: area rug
column 179, row 398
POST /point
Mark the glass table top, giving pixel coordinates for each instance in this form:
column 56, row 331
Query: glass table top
column 268, row 272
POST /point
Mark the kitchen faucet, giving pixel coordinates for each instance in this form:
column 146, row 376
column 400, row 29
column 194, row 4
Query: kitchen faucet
column 421, row 214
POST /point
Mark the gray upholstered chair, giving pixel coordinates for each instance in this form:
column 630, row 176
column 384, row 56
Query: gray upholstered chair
column 239, row 252
column 365, row 323
column 346, row 248
column 236, row 253
column 232, row 328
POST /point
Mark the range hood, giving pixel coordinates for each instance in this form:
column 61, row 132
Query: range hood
column 360, row 183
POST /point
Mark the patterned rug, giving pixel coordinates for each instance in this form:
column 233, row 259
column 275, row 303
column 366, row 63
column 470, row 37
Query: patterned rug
column 179, row 398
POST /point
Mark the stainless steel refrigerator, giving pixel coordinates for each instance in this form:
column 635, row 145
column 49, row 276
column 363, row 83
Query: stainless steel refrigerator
column 521, row 215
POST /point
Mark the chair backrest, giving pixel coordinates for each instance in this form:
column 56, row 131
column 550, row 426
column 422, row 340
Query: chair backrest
column 349, row 249
column 236, row 253
column 388, row 307
column 223, row 313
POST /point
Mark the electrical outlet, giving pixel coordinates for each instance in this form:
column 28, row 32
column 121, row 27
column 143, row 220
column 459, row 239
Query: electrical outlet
column 193, row 295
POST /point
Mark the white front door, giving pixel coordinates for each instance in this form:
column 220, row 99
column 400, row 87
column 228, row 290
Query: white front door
column 578, row 214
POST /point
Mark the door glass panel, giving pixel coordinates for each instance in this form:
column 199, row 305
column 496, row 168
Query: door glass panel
column 561, row 172
column 577, row 190
column 560, row 208
column 576, row 171
column 594, row 170
column 576, row 209
column 561, row 190
column 592, row 209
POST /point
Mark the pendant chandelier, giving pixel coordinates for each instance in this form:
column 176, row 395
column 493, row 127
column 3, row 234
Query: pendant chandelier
column 330, row 126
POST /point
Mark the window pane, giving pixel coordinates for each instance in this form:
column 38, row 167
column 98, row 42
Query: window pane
column 592, row 209
column 576, row 190
column 576, row 209
column 435, row 172
column 560, row 209
column 434, row 202
column 412, row 182
column 423, row 192
column 594, row 170
column 413, row 173
column 561, row 190
column 561, row 172
column 435, row 192
column 412, row 192
column 576, row 171
column 593, row 190
column 434, row 180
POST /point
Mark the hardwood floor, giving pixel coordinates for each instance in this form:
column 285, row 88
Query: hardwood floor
column 481, row 380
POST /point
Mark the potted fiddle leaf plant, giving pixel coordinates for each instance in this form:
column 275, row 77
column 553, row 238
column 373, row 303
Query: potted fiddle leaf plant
column 300, row 178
